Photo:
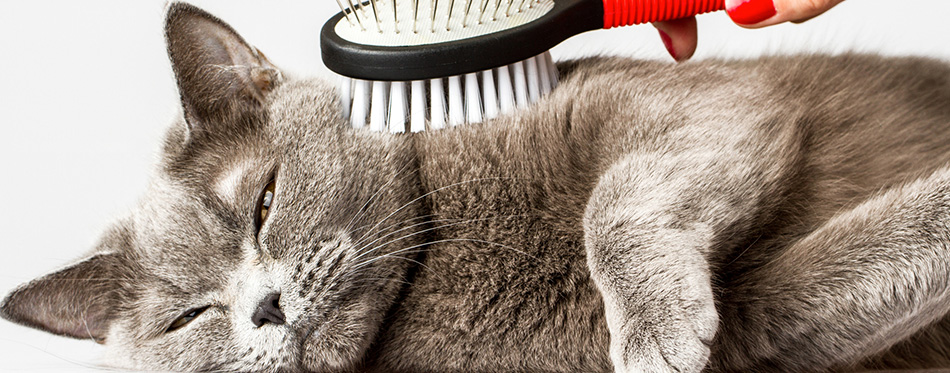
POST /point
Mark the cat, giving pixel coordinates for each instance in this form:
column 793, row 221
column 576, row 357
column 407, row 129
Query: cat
column 778, row 214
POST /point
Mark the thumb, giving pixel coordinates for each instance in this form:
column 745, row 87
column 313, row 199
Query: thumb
column 761, row 13
column 679, row 37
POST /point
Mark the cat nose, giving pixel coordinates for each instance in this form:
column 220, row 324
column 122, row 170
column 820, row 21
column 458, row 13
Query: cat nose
column 268, row 311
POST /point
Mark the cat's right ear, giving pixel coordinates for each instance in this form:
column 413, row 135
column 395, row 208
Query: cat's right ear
column 78, row 301
column 222, row 80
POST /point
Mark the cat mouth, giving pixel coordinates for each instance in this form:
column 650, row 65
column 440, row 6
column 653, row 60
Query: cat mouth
column 308, row 328
column 309, row 333
column 329, row 341
column 311, row 329
column 313, row 356
column 306, row 343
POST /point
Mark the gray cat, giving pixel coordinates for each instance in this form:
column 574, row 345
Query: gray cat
column 781, row 214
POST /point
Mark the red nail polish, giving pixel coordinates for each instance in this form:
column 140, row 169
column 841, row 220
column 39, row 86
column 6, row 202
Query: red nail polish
column 750, row 12
column 668, row 43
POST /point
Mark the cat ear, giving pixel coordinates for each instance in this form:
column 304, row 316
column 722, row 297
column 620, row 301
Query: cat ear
column 77, row 301
column 221, row 79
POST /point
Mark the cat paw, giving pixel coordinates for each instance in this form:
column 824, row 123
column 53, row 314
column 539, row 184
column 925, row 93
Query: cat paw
column 672, row 337
column 679, row 350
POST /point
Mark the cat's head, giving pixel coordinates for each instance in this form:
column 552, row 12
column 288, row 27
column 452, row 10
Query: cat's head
column 271, row 237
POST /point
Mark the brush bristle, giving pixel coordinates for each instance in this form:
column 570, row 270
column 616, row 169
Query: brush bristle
column 418, row 22
column 437, row 103
column 471, row 98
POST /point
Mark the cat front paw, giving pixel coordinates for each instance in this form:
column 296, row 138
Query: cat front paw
column 676, row 349
column 672, row 337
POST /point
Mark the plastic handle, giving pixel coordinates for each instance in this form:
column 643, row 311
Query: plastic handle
column 632, row 12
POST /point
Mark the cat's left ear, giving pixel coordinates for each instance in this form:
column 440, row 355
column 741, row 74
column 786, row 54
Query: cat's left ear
column 222, row 80
column 78, row 301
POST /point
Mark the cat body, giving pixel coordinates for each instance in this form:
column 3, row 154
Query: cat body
column 786, row 213
column 798, row 165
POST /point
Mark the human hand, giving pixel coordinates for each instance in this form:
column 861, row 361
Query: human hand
column 679, row 35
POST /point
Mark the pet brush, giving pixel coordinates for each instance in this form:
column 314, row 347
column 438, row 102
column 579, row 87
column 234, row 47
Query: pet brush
column 399, row 56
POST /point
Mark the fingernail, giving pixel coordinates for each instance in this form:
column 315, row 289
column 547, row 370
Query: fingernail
column 668, row 43
column 750, row 12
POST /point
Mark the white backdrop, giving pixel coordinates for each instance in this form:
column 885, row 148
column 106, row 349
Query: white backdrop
column 86, row 93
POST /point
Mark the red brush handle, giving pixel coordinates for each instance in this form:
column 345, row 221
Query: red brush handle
column 633, row 12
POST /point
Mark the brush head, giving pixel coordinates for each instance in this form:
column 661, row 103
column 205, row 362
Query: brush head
column 415, row 23
column 421, row 39
column 418, row 105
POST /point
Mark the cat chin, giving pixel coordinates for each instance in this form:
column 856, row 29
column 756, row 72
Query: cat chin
column 116, row 358
column 340, row 342
column 342, row 352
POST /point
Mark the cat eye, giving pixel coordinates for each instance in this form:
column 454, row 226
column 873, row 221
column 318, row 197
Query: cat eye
column 185, row 319
column 264, row 203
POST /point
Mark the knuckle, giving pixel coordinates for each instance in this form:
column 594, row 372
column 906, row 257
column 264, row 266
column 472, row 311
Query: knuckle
column 805, row 9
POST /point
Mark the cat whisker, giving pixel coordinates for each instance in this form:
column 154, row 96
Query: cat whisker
column 334, row 281
column 340, row 277
column 401, row 173
column 377, row 247
column 388, row 255
column 391, row 226
column 377, row 280
column 369, row 261
column 356, row 269
column 749, row 246
column 75, row 279
column 85, row 324
column 221, row 370
column 365, row 246
column 407, row 204
column 89, row 366
column 358, row 272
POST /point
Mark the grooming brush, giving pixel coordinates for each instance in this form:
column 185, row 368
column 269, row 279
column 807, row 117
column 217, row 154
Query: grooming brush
column 407, row 63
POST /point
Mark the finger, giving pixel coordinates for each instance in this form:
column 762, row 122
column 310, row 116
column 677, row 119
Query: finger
column 803, row 20
column 761, row 13
column 679, row 37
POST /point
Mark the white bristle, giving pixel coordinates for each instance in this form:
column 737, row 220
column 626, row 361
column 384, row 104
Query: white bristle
column 346, row 96
column 521, row 5
column 506, row 93
column 395, row 17
column 435, row 6
column 360, row 107
column 417, row 106
column 379, row 106
column 534, row 80
column 456, row 106
column 473, row 99
column 343, row 9
column 397, row 107
column 552, row 69
column 494, row 14
column 405, row 106
column 433, row 21
column 448, row 19
column 521, row 84
column 489, row 94
column 481, row 14
column 544, row 75
column 415, row 15
column 437, row 98
column 468, row 10
column 357, row 16
column 376, row 16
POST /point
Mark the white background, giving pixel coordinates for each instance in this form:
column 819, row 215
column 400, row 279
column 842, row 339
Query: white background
column 86, row 93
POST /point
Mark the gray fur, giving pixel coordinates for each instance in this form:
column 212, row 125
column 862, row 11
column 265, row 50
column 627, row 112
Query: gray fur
column 779, row 214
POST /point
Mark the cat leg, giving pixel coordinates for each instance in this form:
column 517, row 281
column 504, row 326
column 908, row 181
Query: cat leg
column 866, row 280
column 650, row 227
column 927, row 349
